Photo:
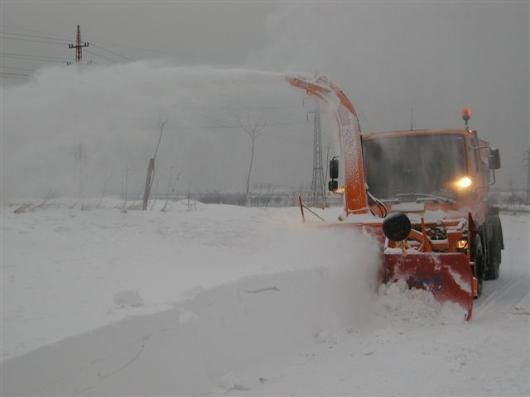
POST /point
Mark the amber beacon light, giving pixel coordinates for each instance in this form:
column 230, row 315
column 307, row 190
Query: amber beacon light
column 466, row 116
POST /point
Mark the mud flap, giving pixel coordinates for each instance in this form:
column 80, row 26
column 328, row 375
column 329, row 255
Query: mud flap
column 447, row 275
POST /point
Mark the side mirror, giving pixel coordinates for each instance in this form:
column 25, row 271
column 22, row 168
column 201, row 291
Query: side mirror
column 494, row 159
column 334, row 168
column 333, row 185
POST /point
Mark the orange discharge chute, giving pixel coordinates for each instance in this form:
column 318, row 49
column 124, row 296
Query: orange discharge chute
column 349, row 134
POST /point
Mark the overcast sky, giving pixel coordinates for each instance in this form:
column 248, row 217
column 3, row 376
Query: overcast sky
column 190, row 32
column 388, row 56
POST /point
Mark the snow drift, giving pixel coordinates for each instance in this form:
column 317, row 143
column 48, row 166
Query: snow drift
column 189, row 349
column 223, row 299
column 307, row 284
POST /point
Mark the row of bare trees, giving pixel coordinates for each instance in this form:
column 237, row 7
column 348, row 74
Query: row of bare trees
column 253, row 127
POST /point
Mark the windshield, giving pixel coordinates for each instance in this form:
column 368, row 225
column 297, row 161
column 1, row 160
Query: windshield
column 422, row 164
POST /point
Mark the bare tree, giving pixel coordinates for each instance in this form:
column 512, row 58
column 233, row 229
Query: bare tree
column 151, row 168
column 527, row 159
column 80, row 155
column 253, row 127
column 125, row 190
column 171, row 186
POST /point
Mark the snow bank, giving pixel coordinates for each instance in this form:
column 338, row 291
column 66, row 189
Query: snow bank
column 319, row 282
column 231, row 299
column 188, row 349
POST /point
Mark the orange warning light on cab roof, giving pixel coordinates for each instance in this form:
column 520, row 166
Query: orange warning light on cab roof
column 466, row 114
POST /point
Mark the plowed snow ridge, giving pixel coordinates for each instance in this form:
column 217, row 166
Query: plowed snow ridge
column 305, row 318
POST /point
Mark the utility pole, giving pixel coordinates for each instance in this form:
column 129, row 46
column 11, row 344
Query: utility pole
column 527, row 159
column 80, row 155
column 318, row 194
column 411, row 118
column 78, row 46
column 151, row 169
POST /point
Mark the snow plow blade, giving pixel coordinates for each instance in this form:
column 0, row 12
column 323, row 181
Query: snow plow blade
column 448, row 276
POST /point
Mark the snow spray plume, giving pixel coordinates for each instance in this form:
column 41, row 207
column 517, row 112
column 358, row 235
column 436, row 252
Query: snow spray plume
column 77, row 130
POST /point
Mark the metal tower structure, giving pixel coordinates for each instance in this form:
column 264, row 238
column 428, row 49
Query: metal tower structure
column 78, row 46
column 318, row 190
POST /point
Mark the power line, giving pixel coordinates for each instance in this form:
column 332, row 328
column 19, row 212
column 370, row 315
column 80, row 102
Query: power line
column 36, row 39
column 105, row 43
column 99, row 56
column 37, row 62
column 527, row 159
column 8, row 34
column 29, row 56
column 111, row 44
column 41, row 34
column 113, row 52
column 46, row 36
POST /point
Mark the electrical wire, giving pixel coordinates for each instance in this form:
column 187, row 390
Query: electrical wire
column 41, row 35
column 113, row 52
column 53, row 37
column 11, row 36
column 90, row 52
column 30, row 56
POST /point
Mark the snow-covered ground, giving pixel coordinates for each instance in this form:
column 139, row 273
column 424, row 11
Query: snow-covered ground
column 241, row 301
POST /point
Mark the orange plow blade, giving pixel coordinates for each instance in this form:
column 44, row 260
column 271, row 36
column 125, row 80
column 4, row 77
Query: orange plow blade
column 447, row 276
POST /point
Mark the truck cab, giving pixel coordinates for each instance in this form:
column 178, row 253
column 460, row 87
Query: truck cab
column 435, row 166
column 446, row 172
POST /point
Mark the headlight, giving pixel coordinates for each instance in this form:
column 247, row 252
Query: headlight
column 463, row 183
column 461, row 244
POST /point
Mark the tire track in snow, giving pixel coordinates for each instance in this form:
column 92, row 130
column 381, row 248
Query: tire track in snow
column 503, row 299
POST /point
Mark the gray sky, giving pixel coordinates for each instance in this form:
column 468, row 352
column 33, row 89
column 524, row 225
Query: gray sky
column 388, row 56
column 191, row 32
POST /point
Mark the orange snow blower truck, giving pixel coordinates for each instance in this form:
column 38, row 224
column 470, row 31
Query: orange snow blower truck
column 423, row 194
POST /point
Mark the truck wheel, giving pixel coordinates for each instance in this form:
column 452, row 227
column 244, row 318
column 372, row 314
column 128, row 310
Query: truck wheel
column 494, row 260
column 477, row 256
column 494, row 249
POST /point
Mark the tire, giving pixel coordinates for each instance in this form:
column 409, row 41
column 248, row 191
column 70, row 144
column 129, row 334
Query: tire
column 477, row 256
column 495, row 245
column 494, row 260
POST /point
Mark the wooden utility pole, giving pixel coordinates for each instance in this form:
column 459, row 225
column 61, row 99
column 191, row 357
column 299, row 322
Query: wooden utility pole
column 527, row 158
column 151, row 169
column 78, row 46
